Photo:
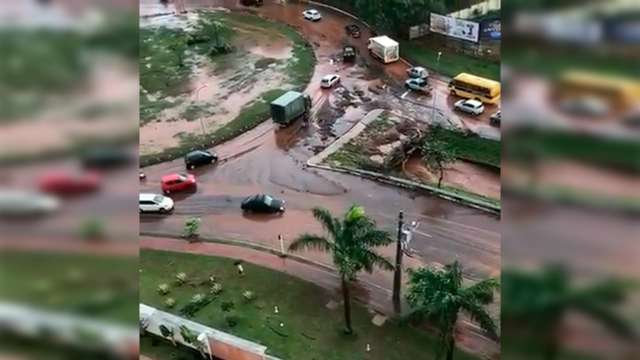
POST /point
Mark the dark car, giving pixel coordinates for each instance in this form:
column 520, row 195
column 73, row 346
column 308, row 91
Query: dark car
column 353, row 30
column 252, row 2
column 348, row 54
column 495, row 119
column 199, row 158
column 104, row 158
column 262, row 203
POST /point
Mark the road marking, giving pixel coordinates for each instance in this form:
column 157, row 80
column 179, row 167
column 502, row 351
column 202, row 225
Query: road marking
column 405, row 94
column 422, row 233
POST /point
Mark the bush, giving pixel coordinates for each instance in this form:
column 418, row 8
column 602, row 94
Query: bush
column 170, row 302
column 163, row 289
column 248, row 296
column 227, row 306
column 181, row 278
column 191, row 227
column 92, row 230
column 197, row 302
column 216, row 288
column 232, row 320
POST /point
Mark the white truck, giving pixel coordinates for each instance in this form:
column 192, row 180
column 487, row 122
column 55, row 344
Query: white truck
column 384, row 48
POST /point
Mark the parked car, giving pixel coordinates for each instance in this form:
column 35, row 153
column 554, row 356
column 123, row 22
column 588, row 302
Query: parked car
column 262, row 203
column 177, row 182
column 353, row 30
column 17, row 203
column 418, row 72
column 418, row 84
column 329, row 81
column 105, row 158
column 585, row 106
column 64, row 182
column 148, row 202
column 470, row 106
column 495, row 119
column 348, row 54
column 312, row 14
column 198, row 158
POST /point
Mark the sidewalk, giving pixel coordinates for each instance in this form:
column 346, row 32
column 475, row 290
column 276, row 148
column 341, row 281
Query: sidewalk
column 469, row 337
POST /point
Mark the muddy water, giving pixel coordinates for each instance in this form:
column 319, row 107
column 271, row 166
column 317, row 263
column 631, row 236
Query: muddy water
column 272, row 160
column 461, row 174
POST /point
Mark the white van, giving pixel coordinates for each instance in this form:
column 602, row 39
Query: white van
column 384, row 48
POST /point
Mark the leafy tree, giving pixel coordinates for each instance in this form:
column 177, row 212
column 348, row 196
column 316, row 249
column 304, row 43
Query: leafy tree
column 438, row 296
column 436, row 153
column 536, row 303
column 351, row 241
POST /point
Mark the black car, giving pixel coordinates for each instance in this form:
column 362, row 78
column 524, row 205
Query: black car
column 353, row 30
column 252, row 2
column 495, row 119
column 105, row 158
column 199, row 158
column 348, row 54
column 262, row 203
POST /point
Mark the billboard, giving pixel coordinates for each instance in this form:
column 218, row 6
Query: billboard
column 457, row 28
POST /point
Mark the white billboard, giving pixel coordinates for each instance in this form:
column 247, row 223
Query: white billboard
column 457, row 28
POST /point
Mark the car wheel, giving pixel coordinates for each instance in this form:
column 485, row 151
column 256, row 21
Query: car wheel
column 191, row 167
column 167, row 192
column 453, row 92
column 162, row 210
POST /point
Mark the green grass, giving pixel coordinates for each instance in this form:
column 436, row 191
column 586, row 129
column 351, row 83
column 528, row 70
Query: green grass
column 472, row 147
column 451, row 64
column 554, row 61
column 612, row 153
column 98, row 286
column 310, row 331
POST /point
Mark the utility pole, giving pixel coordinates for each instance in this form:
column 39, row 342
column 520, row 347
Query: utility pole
column 397, row 276
column 435, row 93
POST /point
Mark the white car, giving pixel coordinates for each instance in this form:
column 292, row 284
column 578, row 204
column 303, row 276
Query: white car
column 154, row 203
column 22, row 203
column 312, row 14
column 418, row 72
column 474, row 107
column 417, row 84
column 585, row 106
column 328, row 81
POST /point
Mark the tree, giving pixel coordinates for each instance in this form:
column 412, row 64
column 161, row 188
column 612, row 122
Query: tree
column 436, row 153
column 438, row 296
column 350, row 241
column 537, row 303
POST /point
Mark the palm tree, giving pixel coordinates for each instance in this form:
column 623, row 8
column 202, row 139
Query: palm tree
column 350, row 241
column 537, row 303
column 438, row 296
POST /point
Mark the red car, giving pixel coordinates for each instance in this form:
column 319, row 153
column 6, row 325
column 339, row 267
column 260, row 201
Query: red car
column 177, row 182
column 62, row 182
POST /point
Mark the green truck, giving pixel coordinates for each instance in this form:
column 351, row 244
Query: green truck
column 289, row 107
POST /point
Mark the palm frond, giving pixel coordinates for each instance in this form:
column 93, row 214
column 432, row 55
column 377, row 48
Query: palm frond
column 371, row 259
column 481, row 316
column 310, row 241
column 328, row 222
column 482, row 291
column 605, row 314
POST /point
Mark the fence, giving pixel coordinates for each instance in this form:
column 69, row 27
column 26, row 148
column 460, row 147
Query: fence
column 210, row 341
column 476, row 10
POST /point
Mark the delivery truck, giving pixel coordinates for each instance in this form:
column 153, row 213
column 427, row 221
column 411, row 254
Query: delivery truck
column 289, row 107
column 384, row 49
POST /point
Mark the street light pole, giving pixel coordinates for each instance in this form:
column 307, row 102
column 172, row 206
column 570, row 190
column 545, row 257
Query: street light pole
column 397, row 276
column 204, row 131
column 435, row 93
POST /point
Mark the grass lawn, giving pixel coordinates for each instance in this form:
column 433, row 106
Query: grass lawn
column 310, row 330
column 100, row 286
column 553, row 61
column 472, row 147
column 451, row 64
column 613, row 153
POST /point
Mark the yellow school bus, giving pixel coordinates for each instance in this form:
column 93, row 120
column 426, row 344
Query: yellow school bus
column 618, row 92
column 475, row 87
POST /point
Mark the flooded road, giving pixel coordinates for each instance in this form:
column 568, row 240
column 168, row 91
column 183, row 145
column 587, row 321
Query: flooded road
column 272, row 160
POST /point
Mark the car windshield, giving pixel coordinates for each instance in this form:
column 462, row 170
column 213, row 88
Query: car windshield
column 268, row 200
column 158, row 199
column 182, row 177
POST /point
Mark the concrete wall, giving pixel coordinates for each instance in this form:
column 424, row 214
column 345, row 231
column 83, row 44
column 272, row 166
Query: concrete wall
column 476, row 10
